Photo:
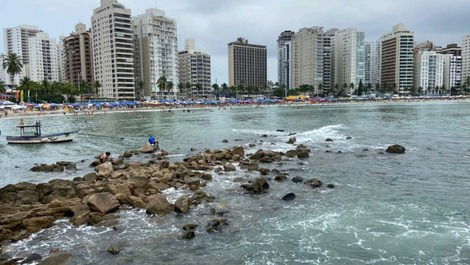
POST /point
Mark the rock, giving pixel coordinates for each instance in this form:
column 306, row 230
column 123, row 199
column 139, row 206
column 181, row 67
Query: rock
column 280, row 130
column 328, row 140
column 303, row 154
column 365, row 150
column 239, row 151
column 288, row 197
column 188, row 231
column 193, row 149
column 158, row 204
column 192, row 181
column 113, row 250
column 292, row 153
column 47, row 168
column 31, row 258
column 264, row 171
column 280, row 177
column 292, row 140
column 183, row 204
column 127, row 154
column 297, row 179
column 216, row 225
column 330, row 186
column 35, row 224
column 147, row 149
column 103, row 202
column 104, row 169
column 314, row 183
column 264, row 135
column 224, row 141
column 136, row 202
column 396, row 149
column 260, row 185
column 252, row 145
column 229, row 167
column 348, row 138
column 58, row 258
column 340, row 152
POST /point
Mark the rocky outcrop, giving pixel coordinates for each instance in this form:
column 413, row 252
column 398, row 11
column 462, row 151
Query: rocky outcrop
column 396, row 149
column 314, row 183
column 158, row 204
column 58, row 258
column 216, row 225
column 292, row 140
column 258, row 186
column 103, row 202
column 57, row 167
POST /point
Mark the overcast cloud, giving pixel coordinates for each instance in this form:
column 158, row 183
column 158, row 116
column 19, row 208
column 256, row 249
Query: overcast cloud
column 214, row 23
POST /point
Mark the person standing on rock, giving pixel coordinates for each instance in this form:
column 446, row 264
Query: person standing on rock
column 104, row 157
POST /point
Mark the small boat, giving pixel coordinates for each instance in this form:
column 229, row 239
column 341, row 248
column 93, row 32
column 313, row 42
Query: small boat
column 36, row 137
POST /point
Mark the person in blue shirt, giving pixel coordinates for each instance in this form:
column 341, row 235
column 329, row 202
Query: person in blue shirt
column 153, row 141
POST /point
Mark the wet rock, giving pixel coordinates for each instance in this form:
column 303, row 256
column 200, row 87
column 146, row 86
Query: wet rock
column 67, row 165
column 229, row 167
column 396, row 149
column 292, row 140
column 303, row 154
column 297, row 179
column 348, row 138
column 58, row 258
column 47, row 168
column 330, row 186
column 104, row 169
column 239, row 150
column 183, row 204
column 280, row 177
column 264, row 135
column 340, row 152
column 264, row 171
column 288, row 197
column 188, row 231
column 365, row 150
column 31, row 258
column 193, row 149
column 216, row 225
column 290, row 134
column 328, row 140
column 280, row 130
column 113, row 250
column 147, row 149
column 127, row 154
column 103, row 202
column 158, row 204
column 314, row 183
column 225, row 141
column 35, row 224
column 292, row 153
column 258, row 186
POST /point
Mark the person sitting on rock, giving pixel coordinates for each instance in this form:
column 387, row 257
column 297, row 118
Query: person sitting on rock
column 153, row 142
column 105, row 157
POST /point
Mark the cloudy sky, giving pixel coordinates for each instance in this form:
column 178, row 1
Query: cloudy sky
column 214, row 23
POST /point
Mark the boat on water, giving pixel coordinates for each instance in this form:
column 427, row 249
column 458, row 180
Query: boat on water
column 32, row 134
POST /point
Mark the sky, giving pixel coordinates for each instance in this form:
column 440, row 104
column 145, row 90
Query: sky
column 214, row 23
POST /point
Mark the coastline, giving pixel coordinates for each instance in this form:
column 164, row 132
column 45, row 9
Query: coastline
column 56, row 113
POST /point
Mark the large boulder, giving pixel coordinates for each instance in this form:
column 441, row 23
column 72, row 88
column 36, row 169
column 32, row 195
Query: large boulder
column 302, row 154
column 47, row 168
column 104, row 169
column 396, row 149
column 147, row 149
column 103, row 202
column 314, row 183
column 216, row 225
column 58, row 258
column 158, row 204
column 229, row 167
column 183, row 204
column 35, row 224
column 238, row 151
column 292, row 140
column 258, row 186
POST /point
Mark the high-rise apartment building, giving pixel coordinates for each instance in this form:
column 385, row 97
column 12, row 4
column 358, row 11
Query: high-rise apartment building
column 371, row 73
column 77, row 56
column 16, row 41
column 307, row 57
column 284, row 53
column 465, row 58
column 113, row 50
column 452, row 66
column 156, row 51
column 195, row 68
column 44, row 58
column 396, row 59
column 429, row 71
column 247, row 64
column 329, row 60
column 349, row 58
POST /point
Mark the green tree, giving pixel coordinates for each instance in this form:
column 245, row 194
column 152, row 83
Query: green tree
column 26, row 85
column 162, row 83
column 224, row 88
column 360, row 88
column 2, row 87
column 13, row 65
column 170, row 86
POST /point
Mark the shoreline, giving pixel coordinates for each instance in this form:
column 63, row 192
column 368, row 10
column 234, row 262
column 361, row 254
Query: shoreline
column 56, row 113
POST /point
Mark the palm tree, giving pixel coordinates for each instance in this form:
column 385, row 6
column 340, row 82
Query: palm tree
column 224, row 88
column 216, row 88
column 97, row 85
column 198, row 89
column 188, row 87
column 2, row 87
column 162, row 83
column 13, row 65
column 26, row 85
column 180, row 87
column 169, row 86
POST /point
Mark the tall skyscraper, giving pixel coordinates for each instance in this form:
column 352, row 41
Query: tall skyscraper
column 429, row 71
column 113, row 50
column 371, row 75
column 452, row 66
column 247, row 64
column 16, row 41
column 465, row 58
column 329, row 60
column 349, row 58
column 284, row 50
column 195, row 69
column 396, row 59
column 307, row 57
column 156, row 50
column 77, row 56
column 44, row 58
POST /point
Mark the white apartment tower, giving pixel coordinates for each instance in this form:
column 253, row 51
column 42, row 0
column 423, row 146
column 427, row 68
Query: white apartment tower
column 396, row 59
column 307, row 57
column 44, row 58
column 156, row 51
column 195, row 68
column 371, row 73
column 284, row 54
column 452, row 66
column 465, row 58
column 16, row 41
column 429, row 71
column 349, row 58
column 113, row 50
column 329, row 60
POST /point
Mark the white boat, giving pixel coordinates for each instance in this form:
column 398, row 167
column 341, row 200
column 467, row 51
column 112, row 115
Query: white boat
column 37, row 137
